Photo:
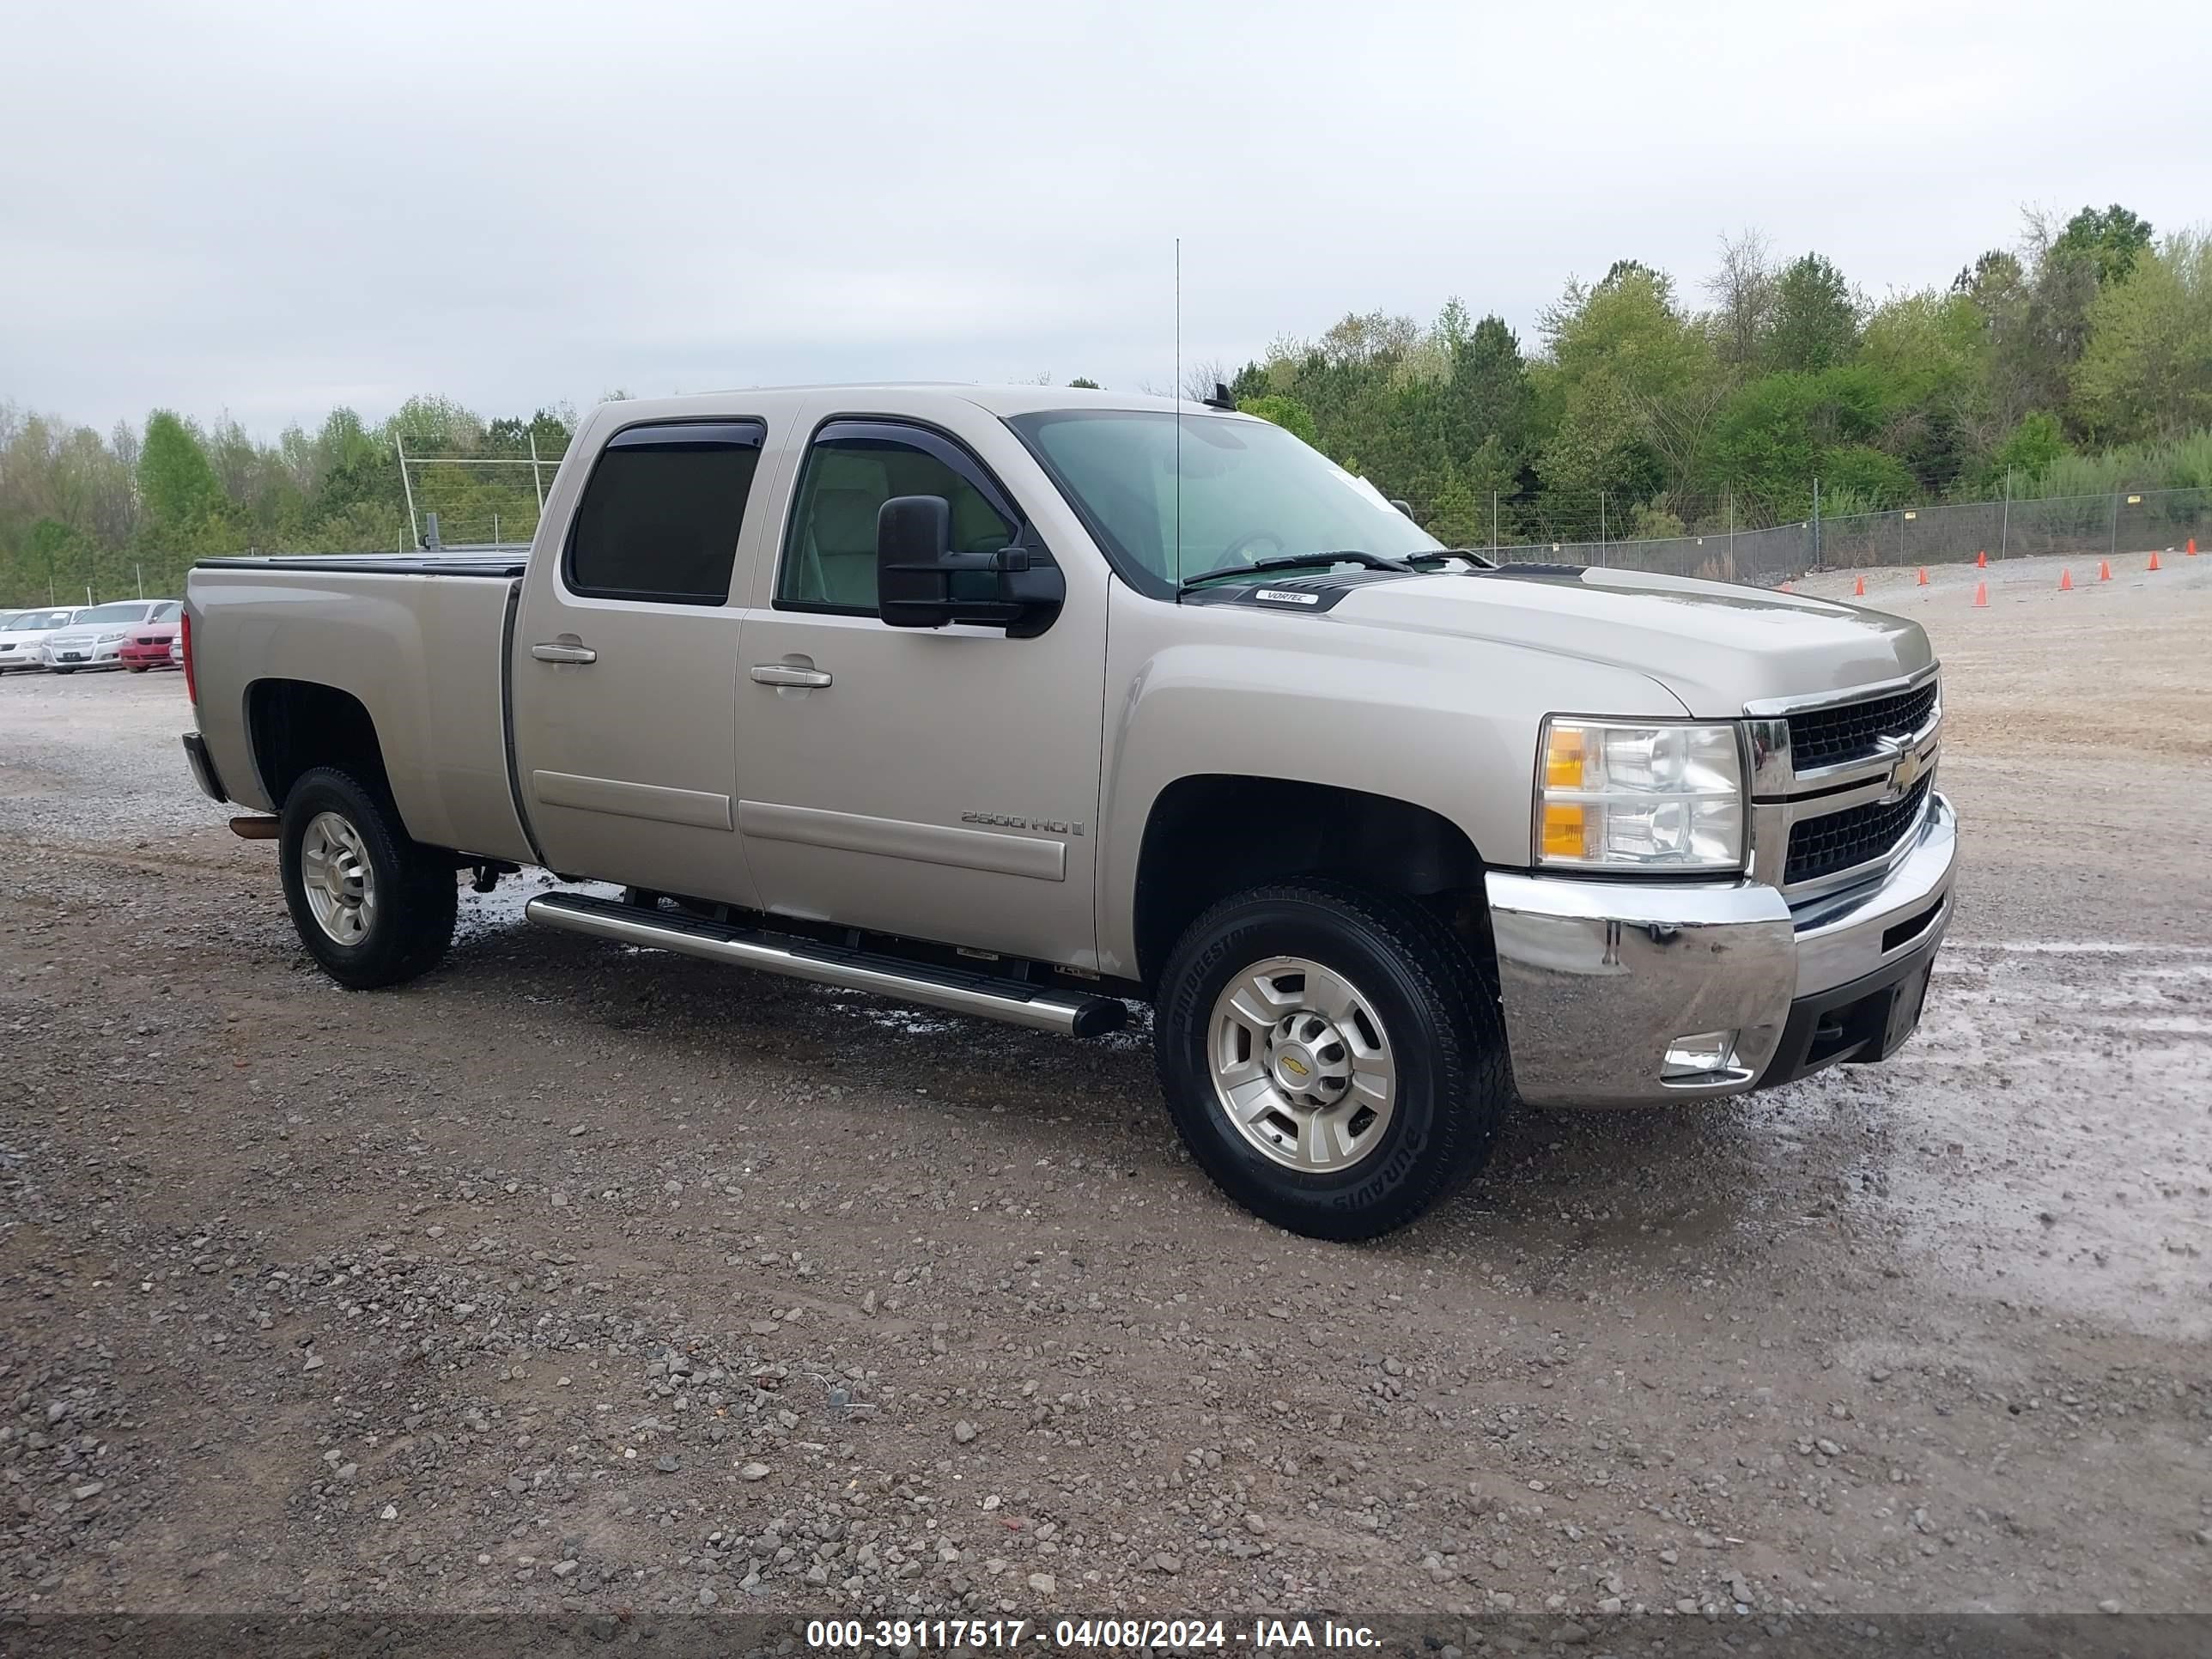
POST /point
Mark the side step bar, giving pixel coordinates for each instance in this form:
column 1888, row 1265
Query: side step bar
column 1041, row 1010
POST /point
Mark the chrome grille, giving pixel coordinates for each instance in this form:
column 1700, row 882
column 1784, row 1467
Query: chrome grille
column 1857, row 834
column 1840, row 784
column 1839, row 734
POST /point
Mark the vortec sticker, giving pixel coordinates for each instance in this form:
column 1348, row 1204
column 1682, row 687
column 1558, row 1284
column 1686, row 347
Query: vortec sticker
column 1284, row 596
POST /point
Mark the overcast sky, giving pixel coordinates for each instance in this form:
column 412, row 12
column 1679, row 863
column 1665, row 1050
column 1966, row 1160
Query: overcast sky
column 272, row 209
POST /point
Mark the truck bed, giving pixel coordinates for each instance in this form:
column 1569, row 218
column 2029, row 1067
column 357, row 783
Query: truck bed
column 419, row 641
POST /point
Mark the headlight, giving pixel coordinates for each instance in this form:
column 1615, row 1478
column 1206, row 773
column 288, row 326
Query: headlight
column 1663, row 798
column 112, row 639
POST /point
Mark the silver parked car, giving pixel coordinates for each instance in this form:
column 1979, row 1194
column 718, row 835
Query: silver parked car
column 24, row 634
column 94, row 637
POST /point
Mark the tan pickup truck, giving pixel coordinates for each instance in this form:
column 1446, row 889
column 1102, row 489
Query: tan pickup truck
column 1030, row 704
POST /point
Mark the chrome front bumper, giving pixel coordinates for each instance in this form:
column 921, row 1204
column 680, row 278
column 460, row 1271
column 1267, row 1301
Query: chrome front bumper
column 1599, row 979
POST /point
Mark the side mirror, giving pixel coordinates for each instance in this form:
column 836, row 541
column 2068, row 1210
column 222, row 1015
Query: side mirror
column 914, row 540
column 920, row 582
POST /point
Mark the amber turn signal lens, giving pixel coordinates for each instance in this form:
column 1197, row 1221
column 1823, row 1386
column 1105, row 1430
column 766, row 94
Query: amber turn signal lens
column 1563, row 758
column 1563, row 830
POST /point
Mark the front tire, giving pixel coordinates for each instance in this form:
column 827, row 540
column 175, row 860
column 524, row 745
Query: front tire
column 1333, row 1058
column 373, row 907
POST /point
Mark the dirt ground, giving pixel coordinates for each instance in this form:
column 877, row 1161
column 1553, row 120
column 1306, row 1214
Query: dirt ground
column 573, row 1277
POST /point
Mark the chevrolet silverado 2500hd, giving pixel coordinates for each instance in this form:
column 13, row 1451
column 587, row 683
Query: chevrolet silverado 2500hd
column 1030, row 702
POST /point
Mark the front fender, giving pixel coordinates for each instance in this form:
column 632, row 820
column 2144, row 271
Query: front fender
column 1448, row 724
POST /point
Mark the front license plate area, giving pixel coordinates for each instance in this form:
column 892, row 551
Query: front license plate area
column 1906, row 1000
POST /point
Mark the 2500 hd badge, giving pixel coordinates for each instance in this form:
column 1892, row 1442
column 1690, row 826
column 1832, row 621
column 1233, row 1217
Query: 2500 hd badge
column 1007, row 821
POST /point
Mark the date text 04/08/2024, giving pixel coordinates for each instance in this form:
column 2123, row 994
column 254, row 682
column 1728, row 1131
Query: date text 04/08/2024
column 1100, row 1633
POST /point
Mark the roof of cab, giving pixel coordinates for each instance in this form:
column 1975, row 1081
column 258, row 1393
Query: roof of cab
column 1001, row 400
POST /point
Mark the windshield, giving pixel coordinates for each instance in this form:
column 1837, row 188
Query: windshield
column 134, row 611
column 1249, row 492
column 39, row 621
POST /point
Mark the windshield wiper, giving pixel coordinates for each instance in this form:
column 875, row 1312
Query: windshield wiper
column 1299, row 562
column 1481, row 559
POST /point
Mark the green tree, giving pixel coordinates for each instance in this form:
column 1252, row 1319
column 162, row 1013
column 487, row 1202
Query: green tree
column 1816, row 318
column 2146, row 371
column 1286, row 412
column 2108, row 239
column 1931, row 353
column 175, row 480
column 1488, row 399
column 1627, row 392
column 2028, row 451
column 1627, row 327
column 1782, row 431
column 60, row 559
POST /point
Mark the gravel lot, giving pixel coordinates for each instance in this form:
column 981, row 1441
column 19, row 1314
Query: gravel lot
column 578, row 1278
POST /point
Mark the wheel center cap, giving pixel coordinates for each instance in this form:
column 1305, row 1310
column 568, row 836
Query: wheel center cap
column 334, row 880
column 1296, row 1068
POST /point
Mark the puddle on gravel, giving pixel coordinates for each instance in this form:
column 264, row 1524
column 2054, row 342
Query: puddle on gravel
column 501, row 909
column 2051, row 1130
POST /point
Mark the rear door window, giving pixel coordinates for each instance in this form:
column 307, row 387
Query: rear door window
column 660, row 515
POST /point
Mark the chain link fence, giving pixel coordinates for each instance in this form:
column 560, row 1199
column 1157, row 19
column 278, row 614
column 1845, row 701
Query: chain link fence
column 2085, row 526
column 480, row 500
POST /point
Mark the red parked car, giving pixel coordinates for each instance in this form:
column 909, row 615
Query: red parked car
column 148, row 646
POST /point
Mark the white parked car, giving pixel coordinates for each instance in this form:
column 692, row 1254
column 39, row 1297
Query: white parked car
column 24, row 634
column 94, row 637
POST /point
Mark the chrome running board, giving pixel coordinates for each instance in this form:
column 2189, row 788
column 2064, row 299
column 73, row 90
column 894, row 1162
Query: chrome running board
column 1041, row 1010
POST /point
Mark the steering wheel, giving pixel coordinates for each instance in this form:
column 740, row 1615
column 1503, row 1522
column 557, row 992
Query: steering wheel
column 1229, row 559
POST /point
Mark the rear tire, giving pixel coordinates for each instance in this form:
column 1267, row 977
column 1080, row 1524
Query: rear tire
column 1333, row 1058
column 373, row 907
column 137, row 667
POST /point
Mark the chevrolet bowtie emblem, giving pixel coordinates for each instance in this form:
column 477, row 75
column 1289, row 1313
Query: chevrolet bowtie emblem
column 1292, row 1067
column 1904, row 769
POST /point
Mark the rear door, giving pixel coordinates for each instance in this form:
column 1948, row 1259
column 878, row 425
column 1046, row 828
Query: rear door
column 624, row 659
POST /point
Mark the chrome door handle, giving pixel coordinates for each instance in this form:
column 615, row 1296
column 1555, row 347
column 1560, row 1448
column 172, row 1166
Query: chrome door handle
column 784, row 673
column 556, row 651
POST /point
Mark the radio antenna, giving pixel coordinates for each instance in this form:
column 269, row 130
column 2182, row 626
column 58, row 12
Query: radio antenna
column 1176, row 391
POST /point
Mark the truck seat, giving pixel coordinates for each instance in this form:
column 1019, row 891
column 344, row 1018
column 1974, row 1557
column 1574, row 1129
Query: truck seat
column 844, row 530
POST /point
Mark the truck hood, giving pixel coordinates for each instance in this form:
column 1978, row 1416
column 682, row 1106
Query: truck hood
column 1715, row 646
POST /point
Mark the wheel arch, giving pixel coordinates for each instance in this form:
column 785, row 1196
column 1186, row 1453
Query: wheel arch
column 294, row 726
column 1209, row 835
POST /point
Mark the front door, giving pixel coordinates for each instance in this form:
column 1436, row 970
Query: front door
column 941, row 784
column 625, row 665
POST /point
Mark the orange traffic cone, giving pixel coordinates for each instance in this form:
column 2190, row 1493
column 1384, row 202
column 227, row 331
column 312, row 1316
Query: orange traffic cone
column 1782, row 588
column 2154, row 558
column 1982, row 560
column 2192, row 547
column 1982, row 595
column 2066, row 581
column 1923, row 575
column 1858, row 588
column 2103, row 570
